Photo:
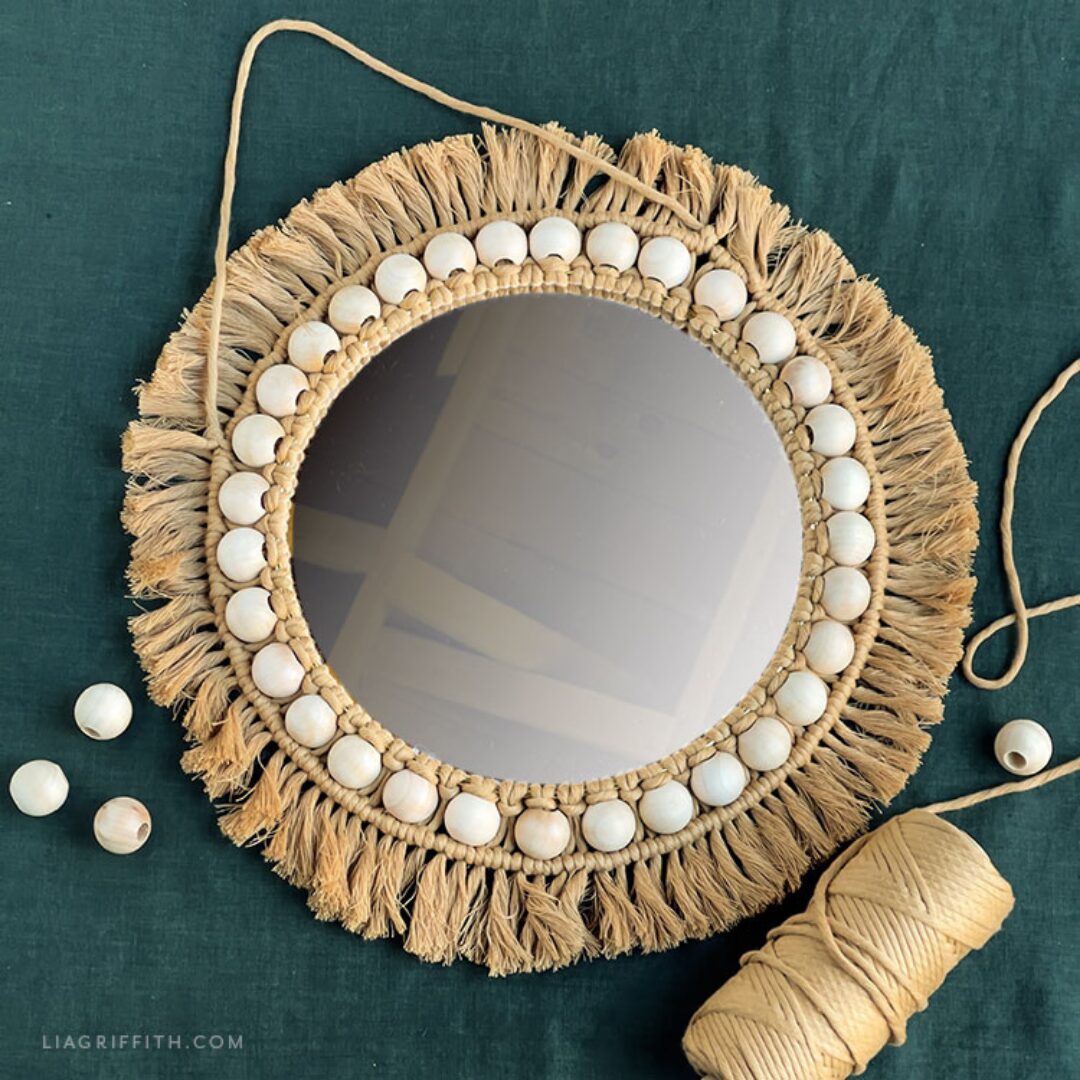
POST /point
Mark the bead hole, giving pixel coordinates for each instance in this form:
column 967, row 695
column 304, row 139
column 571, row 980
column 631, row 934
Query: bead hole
column 143, row 830
column 1016, row 759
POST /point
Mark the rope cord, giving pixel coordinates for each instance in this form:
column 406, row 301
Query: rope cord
column 1021, row 614
column 243, row 73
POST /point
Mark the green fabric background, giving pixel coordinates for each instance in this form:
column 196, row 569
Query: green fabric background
column 937, row 142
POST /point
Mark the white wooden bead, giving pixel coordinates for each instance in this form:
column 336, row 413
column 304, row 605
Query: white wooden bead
column 542, row 834
column 609, row 826
column 122, row 825
column 720, row 780
column 723, row 292
column 555, row 236
column 311, row 344
column 103, row 711
column 802, row 699
column 666, row 260
column 397, row 276
column 279, row 388
column 410, row 797
column 353, row 762
column 351, row 307
column 255, row 439
column 771, row 335
column 832, row 428
column 846, row 593
column 248, row 614
column 472, row 820
column 668, row 808
column 447, row 253
column 830, row 647
column 1023, row 747
column 845, row 483
column 240, row 497
column 808, row 379
column 501, row 242
column 276, row 671
column 241, row 554
column 38, row 787
column 311, row 720
column 612, row 244
column 765, row 745
column 851, row 538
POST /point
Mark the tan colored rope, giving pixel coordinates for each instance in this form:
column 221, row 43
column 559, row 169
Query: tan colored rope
column 889, row 919
column 1021, row 613
column 300, row 26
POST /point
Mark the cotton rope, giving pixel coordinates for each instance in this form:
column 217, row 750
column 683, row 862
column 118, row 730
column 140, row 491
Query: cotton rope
column 1021, row 613
column 889, row 918
column 300, row 26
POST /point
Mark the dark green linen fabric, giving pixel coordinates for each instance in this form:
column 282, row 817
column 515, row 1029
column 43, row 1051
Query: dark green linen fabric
column 938, row 144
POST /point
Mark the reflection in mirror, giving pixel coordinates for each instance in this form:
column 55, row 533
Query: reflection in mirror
column 547, row 538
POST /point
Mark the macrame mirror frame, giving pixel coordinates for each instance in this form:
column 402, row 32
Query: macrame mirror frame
column 405, row 873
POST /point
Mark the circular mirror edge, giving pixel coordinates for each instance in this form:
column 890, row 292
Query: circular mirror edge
column 628, row 287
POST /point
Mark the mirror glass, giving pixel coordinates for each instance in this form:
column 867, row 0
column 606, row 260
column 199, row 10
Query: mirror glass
column 547, row 538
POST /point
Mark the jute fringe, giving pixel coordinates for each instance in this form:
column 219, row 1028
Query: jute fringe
column 445, row 903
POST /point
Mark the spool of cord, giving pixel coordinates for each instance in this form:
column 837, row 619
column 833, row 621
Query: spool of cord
column 889, row 919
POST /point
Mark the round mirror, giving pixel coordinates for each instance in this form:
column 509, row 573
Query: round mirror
column 547, row 538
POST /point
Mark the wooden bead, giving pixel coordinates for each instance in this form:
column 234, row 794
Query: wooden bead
column 410, row 797
column 612, row 244
column 846, row 593
column 832, row 428
column 240, row 497
column 398, row 275
column 542, row 834
column 249, row 616
column 255, row 439
column 103, row 711
column 352, row 307
column 555, row 236
column 311, row 344
column 609, row 826
column 502, row 242
column 723, row 292
column 808, row 379
column 310, row 720
column 241, row 554
column 720, row 780
column 353, row 762
column 276, row 671
column 802, row 699
column 851, row 538
column 279, row 388
column 830, row 647
column 469, row 819
column 845, row 483
column 765, row 745
column 447, row 254
column 771, row 336
column 1023, row 747
column 665, row 259
column 38, row 787
column 122, row 825
column 666, row 809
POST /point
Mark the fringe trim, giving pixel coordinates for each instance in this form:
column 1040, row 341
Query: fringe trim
column 377, row 885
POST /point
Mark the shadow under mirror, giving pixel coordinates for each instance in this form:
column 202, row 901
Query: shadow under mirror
column 547, row 538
